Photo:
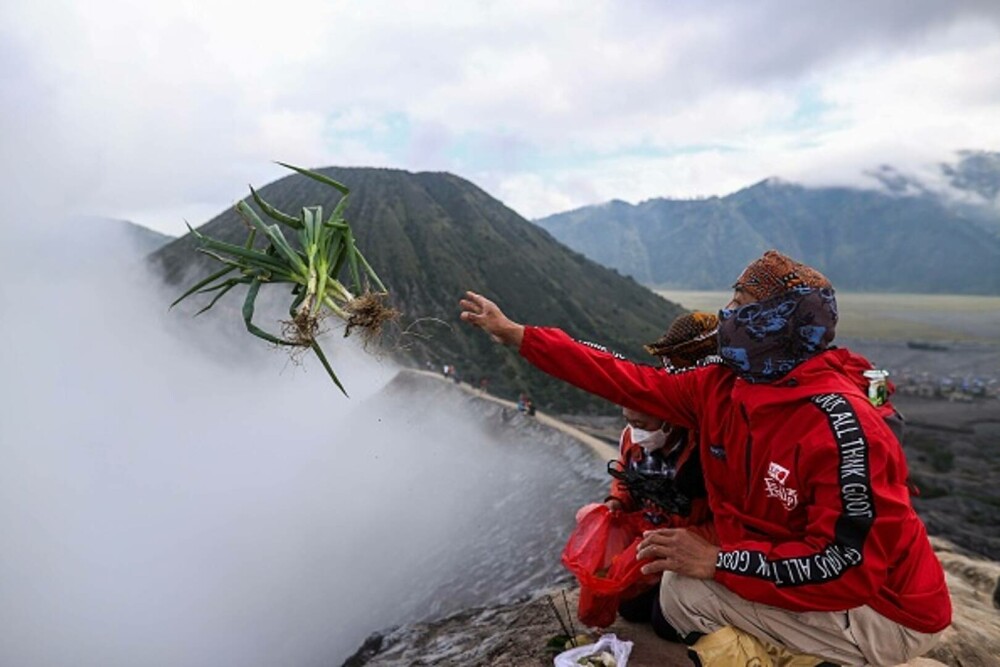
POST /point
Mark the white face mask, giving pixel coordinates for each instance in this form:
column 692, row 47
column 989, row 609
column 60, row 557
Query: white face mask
column 649, row 440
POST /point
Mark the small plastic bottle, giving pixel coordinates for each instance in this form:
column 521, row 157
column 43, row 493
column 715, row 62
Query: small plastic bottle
column 878, row 391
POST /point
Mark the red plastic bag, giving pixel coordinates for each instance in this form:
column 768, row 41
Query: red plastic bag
column 601, row 554
column 597, row 610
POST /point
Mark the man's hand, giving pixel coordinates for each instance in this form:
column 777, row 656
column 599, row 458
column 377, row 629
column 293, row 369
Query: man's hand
column 678, row 550
column 479, row 311
column 614, row 504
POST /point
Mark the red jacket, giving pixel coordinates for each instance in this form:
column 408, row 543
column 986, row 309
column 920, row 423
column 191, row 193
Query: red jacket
column 806, row 482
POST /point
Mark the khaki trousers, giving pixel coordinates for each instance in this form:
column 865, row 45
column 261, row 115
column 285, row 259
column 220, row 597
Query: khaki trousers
column 858, row 636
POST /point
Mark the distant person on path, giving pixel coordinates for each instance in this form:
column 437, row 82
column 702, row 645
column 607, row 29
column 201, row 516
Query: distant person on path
column 525, row 405
column 820, row 550
column 658, row 472
column 450, row 373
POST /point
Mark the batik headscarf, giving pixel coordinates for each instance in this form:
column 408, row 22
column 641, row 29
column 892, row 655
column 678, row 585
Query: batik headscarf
column 773, row 274
column 793, row 319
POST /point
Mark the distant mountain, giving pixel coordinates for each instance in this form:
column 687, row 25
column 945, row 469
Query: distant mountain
column 906, row 238
column 144, row 239
column 431, row 236
column 977, row 172
column 90, row 243
column 135, row 239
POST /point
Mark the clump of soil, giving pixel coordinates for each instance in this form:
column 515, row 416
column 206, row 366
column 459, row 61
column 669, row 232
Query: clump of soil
column 369, row 312
column 303, row 329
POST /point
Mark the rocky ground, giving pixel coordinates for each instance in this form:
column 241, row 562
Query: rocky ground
column 517, row 634
column 953, row 450
column 973, row 640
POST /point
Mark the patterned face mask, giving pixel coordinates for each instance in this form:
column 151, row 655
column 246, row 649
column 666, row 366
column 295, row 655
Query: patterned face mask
column 763, row 341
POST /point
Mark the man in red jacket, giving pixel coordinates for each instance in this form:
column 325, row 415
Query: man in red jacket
column 820, row 550
column 654, row 449
column 657, row 479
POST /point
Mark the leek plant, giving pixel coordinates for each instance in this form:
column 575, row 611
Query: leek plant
column 326, row 250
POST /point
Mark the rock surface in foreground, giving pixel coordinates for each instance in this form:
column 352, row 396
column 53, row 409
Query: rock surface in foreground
column 517, row 634
column 973, row 640
column 509, row 635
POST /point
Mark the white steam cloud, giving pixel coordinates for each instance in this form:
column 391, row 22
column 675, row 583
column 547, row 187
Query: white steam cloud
column 162, row 503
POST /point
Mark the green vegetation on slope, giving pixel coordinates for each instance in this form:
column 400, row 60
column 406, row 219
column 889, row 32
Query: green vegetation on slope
column 434, row 235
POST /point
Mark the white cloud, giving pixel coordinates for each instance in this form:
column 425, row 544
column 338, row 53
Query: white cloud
column 298, row 135
column 155, row 107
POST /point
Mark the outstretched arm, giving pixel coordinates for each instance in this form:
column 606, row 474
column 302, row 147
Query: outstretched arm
column 597, row 371
column 479, row 311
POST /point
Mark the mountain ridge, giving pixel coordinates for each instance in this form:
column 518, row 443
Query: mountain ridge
column 907, row 240
column 433, row 235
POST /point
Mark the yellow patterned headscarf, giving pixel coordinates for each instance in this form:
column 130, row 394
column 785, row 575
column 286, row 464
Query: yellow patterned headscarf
column 689, row 339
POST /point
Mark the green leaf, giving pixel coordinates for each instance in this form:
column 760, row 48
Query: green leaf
column 274, row 213
column 335, row 247
column 337, row 263
column 248, row 214
column 251, row 258
column 228, row 285
column 206, row 290
column 273, row 233
column 300, row 296
column 338, row 212
column 248, row 309
column 326, row 364
column 318, row 177
column 279, row 241
column 371, row 272
column 327, row 246
column 352, row 260
column 311, row 226
column 201, row 283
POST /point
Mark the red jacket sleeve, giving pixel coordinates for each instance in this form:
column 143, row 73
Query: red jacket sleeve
column 647, row 389
column 705, row 529
column 853, row 521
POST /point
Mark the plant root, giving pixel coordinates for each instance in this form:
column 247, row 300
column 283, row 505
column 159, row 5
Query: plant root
column 303, row 329
column 369, row 313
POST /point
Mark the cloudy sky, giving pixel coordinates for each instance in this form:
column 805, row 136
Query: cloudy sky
column 160, row 111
